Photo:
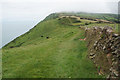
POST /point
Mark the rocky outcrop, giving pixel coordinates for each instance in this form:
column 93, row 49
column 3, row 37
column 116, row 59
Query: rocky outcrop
column 104, row 50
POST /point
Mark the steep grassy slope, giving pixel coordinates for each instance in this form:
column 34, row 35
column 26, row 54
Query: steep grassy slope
column 49, row 50
column 61, row 55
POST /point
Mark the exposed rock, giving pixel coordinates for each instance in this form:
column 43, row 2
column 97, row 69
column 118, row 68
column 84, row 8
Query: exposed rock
column 108, row 77
column 92, row 57
column 115, row 35
column 115, row 63
column 91, row 54
column 104, row 48
column 116, row 73
column 113, row 59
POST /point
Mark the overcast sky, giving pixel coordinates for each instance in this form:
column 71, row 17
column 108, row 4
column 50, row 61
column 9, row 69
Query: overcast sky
column 36, row 10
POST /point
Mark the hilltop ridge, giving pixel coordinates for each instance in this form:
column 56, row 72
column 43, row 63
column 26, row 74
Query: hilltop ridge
column 55, row 48
column 73, row 19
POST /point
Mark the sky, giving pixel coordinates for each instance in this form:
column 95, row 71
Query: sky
column 39, row 9
column 18, row 16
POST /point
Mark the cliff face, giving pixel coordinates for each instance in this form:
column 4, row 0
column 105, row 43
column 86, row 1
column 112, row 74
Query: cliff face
column 104, row 50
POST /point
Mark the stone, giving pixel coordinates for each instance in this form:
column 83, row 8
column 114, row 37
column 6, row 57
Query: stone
column 98, row 44
column 91, row 50
column 115, row 35
column 108, row 76
column 116, row 73
column 109, row 30
column 115, row 52
column 91, row 54
column 92, row 57
column 104, row 47
column 112, row 47
column 94, row 62
column 118, row 55
column 110, row 44
column 113, row 59
column 96, row 48
column 100, row 32
column 114, row 63
column 106, row 43
column 111, row 69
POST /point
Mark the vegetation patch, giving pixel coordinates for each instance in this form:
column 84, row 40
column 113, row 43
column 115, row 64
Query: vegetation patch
column 53, row 49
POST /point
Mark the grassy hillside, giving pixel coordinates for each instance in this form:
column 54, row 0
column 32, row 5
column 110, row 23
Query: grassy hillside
column 51, row 49
column 109, row 17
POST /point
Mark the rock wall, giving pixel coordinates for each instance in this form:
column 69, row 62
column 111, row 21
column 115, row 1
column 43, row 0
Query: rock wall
column 104, row 50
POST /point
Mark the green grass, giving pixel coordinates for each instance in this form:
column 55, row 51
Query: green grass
column 0, row 64
column 63, row 55
column 109, row 17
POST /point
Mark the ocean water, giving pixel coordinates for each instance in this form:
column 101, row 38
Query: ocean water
column 13, row 29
